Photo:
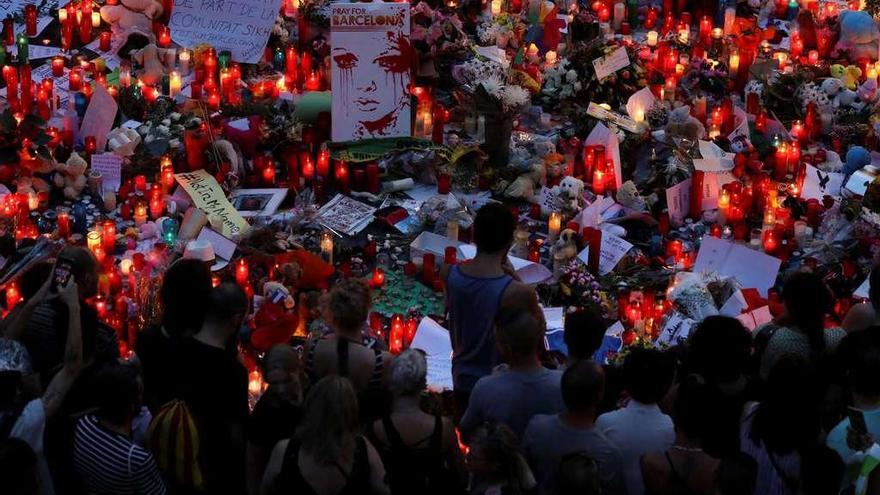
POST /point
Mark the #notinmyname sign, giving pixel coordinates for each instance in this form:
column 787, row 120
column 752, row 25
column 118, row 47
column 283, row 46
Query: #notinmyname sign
column 370, row 62
column 240, row 26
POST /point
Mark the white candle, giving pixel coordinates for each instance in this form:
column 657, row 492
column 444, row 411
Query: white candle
column 733, row 64
column 619, row 14
column 452, row 230
column 184, row 60
column 174, row 84
column 496, row 7
column 550, row 57
column 729, row 20
column 327, row 246
column 652, row 38
column 554, row 225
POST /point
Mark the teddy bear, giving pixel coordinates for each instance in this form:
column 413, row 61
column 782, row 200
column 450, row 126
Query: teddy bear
column 72, row 176
column 152, row 59
column 868, row 90
column 859, row 36
column 569, row 193
column 525, row 185
column 682, row 124
column 132, row 14
column 123, row 141
column 566, row 244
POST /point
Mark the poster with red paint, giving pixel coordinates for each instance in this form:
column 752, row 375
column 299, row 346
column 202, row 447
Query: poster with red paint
column 370, row 62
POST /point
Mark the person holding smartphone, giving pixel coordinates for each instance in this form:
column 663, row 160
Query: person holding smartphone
column 862, row 419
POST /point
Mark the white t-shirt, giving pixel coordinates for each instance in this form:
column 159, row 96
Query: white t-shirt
column 30, row 427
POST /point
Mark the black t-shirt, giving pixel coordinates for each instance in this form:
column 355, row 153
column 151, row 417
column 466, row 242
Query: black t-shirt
column 213, row 383
column 156, row 351
column 273, row 420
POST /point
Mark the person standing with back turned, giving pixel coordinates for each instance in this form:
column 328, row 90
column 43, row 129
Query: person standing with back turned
column 480, row 293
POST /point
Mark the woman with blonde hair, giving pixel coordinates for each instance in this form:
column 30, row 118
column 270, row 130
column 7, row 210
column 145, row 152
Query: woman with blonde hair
column 326, row 455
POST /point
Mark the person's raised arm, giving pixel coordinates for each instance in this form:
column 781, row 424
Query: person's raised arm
column 73, row 351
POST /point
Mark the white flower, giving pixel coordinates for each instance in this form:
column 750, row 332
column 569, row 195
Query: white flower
column 514, row 97
column 493, row 86
column 571, row 76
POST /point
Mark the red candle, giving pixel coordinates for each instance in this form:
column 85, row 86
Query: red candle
column 63, row 224
column 770, row 242
column 13, row 295
column 157, row 207
column 91, row 145
column 342, row 184
column 673, row 248
column 30, row 19
column 165, row 37
column 269, row 172
column 428, row 267
column 290, row 61
column 75, row 78
column 85, row 24
column 214, row 100
column 696, row 207
column 58, row 66
column 443, row 183
column 308, row 169
column 378, row 278
column 323, row 162
column 108, row 238
column 140, row 183
column 395, row 337
column 450, row 255
column 314, row 82
column 105, row 41
column 599, row 181
column 241, row 272
column 373, row 185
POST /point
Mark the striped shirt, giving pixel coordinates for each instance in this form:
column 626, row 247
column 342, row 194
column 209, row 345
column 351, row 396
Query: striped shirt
column 112, row 464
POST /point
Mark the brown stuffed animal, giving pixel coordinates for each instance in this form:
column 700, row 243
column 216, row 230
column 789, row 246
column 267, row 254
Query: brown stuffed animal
column 132, row 14
column 72, row 177
column 151, row 58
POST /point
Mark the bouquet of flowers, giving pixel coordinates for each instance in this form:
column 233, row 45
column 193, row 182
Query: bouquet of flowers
column 579, row 288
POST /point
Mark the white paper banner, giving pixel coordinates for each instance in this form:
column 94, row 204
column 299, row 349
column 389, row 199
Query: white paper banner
column 242, row 27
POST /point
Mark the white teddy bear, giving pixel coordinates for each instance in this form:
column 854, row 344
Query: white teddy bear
column 569, row 193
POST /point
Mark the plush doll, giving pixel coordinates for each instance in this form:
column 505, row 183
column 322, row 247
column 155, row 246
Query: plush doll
column 682, row 124
column 566, row 243
column 137, row 14
column 859, row 36
column 856, row 158
column 525, row 185
column 72, row 176
column 849, row 75
column 152, row 58
column 569, row 193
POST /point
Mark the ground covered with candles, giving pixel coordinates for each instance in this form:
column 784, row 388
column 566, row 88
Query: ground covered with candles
column 664, row 161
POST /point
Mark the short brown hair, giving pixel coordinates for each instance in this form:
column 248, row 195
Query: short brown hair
column 349, row 304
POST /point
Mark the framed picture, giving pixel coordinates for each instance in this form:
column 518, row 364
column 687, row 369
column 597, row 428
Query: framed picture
column 257, row 202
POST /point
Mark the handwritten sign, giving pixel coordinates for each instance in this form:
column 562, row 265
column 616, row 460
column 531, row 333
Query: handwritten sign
column 611, row 63
column 612, row 250
column 370, row 62
column 752, row 269
column 622, row 121
column 240, row 26
column 208, row 196
column 110, row 166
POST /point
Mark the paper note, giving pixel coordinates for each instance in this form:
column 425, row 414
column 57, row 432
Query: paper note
column 640, row 102
column 432, row 338
column 243, row 28
column 36, row 52
column 611, row 63
column 612, row 250
column 676, row 329
column 756, row 318
column 818, row 183
column 734, row 305
column 208, row 196
column 752, row 269
column 110, row 166
column 99, row 117
column 678, row 201
column 864, row 290
column 224, row 248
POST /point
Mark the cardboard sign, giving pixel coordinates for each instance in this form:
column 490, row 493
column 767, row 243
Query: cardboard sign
column 208, row 196
column 243, row 28
column 370, row 60
column 110, row 166
column 611, row 63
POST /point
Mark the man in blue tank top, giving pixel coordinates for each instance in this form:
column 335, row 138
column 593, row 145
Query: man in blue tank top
column 479, row 294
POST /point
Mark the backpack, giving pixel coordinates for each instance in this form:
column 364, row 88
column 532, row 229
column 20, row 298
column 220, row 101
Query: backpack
column 173, row 438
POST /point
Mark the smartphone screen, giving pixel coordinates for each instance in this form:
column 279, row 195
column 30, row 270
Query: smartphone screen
column 63, row 271
column 857, row 420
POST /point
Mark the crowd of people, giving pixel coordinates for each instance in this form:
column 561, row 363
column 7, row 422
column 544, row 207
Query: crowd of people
column 792, row 408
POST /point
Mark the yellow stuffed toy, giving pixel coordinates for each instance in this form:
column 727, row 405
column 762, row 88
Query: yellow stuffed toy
column 849, row 75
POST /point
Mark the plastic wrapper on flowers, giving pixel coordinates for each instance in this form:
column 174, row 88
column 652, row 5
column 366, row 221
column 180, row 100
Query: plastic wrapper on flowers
column 700, row 295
